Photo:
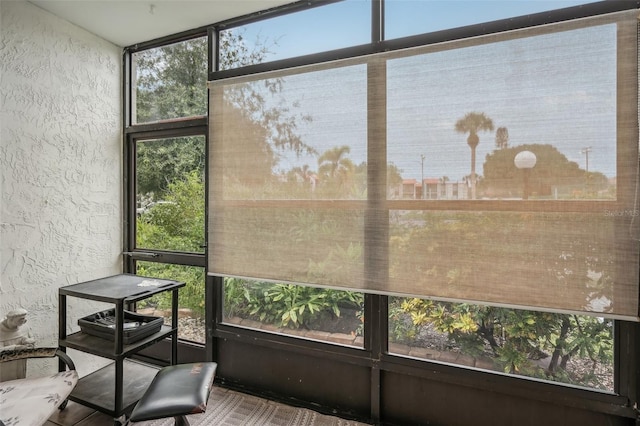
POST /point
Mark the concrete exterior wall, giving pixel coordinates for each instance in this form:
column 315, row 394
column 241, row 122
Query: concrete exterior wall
column 60, row 163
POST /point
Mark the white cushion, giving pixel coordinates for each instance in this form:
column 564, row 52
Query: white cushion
column 30, row 402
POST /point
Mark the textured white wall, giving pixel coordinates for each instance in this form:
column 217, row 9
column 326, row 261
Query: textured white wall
column 60, row 163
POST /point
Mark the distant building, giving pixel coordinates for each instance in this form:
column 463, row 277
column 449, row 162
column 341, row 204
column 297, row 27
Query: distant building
column 434, row 189
column 409, row 189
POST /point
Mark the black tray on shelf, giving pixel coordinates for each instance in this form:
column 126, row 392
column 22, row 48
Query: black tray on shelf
column 135, row 327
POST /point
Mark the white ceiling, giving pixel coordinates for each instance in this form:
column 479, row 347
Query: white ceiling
column 127, row 22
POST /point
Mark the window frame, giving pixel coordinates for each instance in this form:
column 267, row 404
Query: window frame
column 183, row 128
column 624, row 202
column 378, row 46
column 375, row 352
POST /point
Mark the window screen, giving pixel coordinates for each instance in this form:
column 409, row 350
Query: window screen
column 498, row 170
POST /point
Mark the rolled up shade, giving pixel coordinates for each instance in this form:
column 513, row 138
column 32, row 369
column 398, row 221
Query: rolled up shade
column 498, row 170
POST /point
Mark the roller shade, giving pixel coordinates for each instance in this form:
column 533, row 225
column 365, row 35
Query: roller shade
column 498, row 170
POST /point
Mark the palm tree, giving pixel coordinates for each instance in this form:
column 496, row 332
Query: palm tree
column 502, row 138
column 332, row 162
column 473, row 123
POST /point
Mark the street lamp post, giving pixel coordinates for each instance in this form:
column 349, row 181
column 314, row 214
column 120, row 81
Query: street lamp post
column 525, row 160
column 586, row 152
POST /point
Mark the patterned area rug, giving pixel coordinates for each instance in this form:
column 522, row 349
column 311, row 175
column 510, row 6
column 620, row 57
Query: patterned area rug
column 230, row 408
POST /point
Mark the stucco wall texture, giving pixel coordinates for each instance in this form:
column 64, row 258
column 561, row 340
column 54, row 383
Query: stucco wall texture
column 60, row 163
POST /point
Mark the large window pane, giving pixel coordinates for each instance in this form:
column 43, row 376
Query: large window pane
column 324, row 28
column 279, row 171
column 191, row 298
column 409, row 17
column 557, row 347
column 170, row 81
column 170, row 194
column 333, row 316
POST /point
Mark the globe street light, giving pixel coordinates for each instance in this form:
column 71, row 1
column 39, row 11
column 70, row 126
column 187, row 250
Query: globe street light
column 525, row 160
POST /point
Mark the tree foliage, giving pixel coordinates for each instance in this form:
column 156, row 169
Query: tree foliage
column 243, row 134
column 536, row 344
column 160, row 162
column 473, row 123
column 502, row 138
column 552, row 171
column 178, row 222
column 172, row 81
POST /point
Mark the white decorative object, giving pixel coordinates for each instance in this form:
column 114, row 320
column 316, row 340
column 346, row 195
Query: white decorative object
column 14, row 336
column 525, row 160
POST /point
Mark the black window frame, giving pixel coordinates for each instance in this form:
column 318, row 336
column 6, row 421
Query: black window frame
column 375, row 352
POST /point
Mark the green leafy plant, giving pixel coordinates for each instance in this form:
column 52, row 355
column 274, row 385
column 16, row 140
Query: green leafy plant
column 191, row 296
column 514, row 339
column 285, row 305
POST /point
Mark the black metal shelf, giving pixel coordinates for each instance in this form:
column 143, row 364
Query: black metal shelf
column 96, row 389
column 116, row 388
column 105, row 348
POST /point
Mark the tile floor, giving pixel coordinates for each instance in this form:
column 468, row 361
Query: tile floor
column 78, row 415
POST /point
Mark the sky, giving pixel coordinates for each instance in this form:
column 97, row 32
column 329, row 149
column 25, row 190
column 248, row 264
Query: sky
column 557, row 89
column 347, row 23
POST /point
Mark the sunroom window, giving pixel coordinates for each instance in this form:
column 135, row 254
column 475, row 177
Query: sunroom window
column 564, row 348
column 498, row 171
column 169, row 82
column 170, row 193
column 406, row 18
column 330, row 26
column 169, row 223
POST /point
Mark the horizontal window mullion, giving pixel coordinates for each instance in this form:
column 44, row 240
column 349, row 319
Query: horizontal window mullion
column 613, row 208
column 287, row 204
column 188, row 259
column 348, row 53
column 185, row 126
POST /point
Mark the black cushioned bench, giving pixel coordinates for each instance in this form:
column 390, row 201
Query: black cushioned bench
column 176, row 391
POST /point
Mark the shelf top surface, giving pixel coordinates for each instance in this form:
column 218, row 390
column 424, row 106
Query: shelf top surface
column 120, row 287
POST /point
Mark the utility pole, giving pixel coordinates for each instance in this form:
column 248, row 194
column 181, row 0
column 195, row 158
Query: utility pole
column 422, row 156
